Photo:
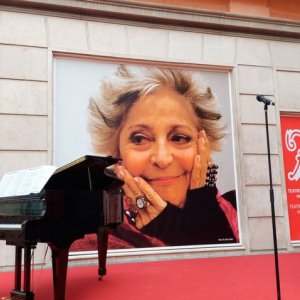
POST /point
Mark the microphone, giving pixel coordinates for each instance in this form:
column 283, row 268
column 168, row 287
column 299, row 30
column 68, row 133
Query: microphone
column 265, row 100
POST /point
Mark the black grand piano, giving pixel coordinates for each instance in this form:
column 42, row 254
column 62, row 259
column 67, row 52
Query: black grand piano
column 78, row 199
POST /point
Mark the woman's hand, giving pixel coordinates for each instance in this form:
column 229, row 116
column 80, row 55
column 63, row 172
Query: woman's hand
column 135, row 187
column 201, row 160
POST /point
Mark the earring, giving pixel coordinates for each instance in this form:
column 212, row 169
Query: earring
column 211, row 177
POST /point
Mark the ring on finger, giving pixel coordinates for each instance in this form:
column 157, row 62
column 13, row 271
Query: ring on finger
column 131, row 216
column 141, row 202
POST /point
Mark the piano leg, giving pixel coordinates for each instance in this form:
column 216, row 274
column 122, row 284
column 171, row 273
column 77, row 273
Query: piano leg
column 18, row 266
column 102, row 241
column 27, row 268
column 59, row 269
column 17, row 292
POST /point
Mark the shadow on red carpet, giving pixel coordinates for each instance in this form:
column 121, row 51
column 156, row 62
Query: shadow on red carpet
column 242, row 278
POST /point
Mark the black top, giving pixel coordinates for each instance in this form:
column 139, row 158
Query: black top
column 201, row 221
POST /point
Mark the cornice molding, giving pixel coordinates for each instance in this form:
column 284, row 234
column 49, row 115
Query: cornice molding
column 159, row 15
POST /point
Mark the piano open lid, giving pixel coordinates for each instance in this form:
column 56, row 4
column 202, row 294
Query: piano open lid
column 86, row 172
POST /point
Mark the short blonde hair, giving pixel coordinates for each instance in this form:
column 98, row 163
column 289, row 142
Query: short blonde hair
column 108, row 110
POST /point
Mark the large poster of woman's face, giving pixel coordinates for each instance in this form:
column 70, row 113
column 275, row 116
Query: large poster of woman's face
column 171, row 128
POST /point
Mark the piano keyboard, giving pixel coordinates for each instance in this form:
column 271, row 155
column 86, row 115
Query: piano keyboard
column 10, row 226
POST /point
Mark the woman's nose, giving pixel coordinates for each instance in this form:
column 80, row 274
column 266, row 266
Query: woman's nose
column 161, row 156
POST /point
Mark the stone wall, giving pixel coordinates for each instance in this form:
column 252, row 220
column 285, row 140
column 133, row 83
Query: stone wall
column 258, row 64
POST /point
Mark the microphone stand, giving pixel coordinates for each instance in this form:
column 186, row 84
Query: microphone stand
column 272, row 205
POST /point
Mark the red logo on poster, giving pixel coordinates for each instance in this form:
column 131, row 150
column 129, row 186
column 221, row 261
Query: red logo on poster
column 290, row 130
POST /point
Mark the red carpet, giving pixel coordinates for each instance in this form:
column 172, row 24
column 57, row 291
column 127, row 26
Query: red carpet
column 241, row 278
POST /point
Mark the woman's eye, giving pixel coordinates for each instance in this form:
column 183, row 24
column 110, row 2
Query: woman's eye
column 138, row 139
column 181, row 139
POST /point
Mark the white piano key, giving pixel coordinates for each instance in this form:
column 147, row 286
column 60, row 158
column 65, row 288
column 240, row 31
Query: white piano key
column 10, row 226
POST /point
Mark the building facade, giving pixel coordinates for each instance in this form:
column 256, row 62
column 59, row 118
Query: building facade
column 257, row 44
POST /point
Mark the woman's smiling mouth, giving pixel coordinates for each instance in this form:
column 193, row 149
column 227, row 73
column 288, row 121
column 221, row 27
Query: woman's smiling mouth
column 164, row 180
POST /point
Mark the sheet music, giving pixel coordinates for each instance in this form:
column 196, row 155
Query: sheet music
column 25, row 182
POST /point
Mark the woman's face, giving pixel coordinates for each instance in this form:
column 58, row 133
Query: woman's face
column 158, row 142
